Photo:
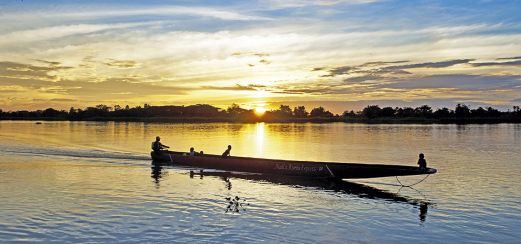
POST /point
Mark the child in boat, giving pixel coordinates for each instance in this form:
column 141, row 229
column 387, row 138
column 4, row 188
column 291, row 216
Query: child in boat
column 227, row 152
column 422, row 162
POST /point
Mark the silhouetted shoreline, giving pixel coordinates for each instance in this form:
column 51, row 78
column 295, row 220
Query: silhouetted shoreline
column 203, row 113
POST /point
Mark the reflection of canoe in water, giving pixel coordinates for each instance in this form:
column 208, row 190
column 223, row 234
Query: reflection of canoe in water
column 288, row 167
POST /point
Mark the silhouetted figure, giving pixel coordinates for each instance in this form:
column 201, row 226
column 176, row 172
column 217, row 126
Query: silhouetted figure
column 201, row 153
column 422, row 162
column 227, row 152
column 192, row 152
column 157, row 146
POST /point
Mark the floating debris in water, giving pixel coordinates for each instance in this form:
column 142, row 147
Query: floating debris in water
column 235, row 205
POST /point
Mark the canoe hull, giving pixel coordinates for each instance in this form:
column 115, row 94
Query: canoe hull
column 289, row 168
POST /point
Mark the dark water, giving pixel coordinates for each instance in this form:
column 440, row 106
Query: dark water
column 90, row 181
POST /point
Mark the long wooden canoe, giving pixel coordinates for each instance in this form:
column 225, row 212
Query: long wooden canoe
column 288, row 167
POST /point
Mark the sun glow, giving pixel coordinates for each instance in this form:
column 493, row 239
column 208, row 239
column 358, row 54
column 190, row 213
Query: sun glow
column 259, row 111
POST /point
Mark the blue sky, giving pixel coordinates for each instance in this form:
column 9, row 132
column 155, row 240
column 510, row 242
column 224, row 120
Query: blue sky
column 338, row 54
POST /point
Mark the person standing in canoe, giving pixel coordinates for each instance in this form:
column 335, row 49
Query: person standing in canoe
column 422, row 162
column 157, row 146
column 227, row 152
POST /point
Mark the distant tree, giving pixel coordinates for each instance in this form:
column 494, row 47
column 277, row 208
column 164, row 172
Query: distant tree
column 235, row 110
column 285, row 111
column 462, row 111
column 103, row 108
column 117, row 107
column 320, row 112
column 349, row 114
column 300, row 112
column 371, row 111
column 492, row 112
column 201, row 110
column 50, row 112
column 479, row 112
column 387, row 112
column 442, row 113
column 424, row 111
column 405, row 112
column 516, row 111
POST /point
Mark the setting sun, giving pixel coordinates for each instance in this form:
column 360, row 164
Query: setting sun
column 259, row 111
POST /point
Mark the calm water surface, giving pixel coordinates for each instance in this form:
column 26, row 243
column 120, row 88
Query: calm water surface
column 93, row 181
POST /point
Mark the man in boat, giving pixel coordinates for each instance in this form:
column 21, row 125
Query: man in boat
column 422, row 162
column 227, row 152
column 157, row 146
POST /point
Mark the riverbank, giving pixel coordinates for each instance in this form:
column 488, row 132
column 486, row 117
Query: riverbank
column 384, row 120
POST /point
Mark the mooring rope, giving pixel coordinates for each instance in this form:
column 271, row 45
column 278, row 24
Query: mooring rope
column 411, row 184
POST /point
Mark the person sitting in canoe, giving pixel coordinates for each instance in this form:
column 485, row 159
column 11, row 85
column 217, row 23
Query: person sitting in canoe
column 157, row 146
column 422, row 162
column 227, row 152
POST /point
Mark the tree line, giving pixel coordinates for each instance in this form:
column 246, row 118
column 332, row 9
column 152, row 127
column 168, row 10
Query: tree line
column 206, row 112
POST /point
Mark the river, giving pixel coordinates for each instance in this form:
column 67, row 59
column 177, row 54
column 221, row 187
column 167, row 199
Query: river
column 93, row 181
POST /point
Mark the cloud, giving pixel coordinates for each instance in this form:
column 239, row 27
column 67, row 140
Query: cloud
column 460, row 81
column 342, row 70
column 509, row 58
column 63, row 100
column 372, row 69
column 237, row 87
column 381, row 63
column 121, row 63
column 304, row 3
column 258, row 54
column 28, row 71
column 56, row 32
column 50, row 63
column 442, row 64
column 358, row 79
column 518, row 100
column 510, row 63
column 118, row 11
column 35, row 80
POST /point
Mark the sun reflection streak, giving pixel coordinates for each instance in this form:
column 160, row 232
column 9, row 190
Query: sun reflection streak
column 259, row 138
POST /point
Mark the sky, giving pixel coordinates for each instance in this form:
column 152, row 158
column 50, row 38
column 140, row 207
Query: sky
column 340, row 54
